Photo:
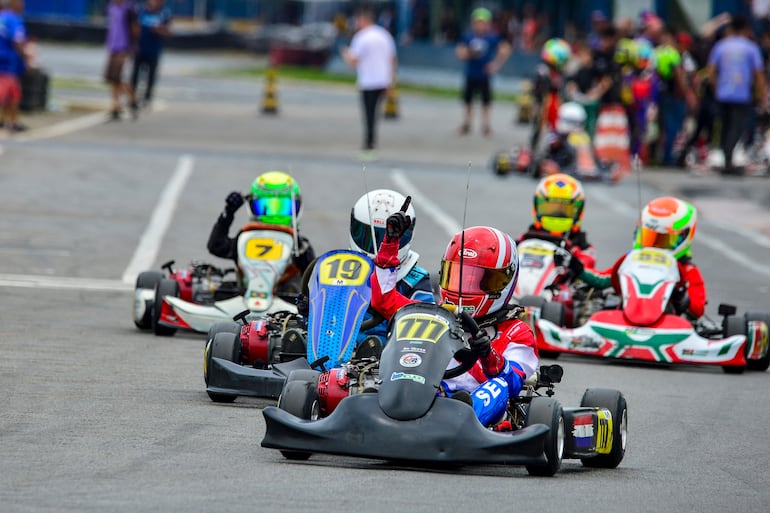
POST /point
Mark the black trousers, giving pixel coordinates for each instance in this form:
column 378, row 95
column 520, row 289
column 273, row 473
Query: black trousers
column 370, row 99
column 150, row 64
column 735, row 121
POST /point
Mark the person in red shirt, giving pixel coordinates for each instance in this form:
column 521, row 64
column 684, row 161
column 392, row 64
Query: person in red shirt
column 666, row 223
column 505, row 345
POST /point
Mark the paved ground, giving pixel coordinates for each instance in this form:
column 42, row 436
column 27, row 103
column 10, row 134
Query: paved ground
column 101, row 417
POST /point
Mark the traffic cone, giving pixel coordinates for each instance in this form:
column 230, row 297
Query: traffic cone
column 526, row 103
column 270, row 98
column 391, row 104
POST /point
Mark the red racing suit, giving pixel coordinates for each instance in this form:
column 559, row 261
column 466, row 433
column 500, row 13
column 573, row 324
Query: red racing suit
column 513, row 343
column 690, row 279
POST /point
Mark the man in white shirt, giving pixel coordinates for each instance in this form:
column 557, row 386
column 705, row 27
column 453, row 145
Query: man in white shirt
column 373, row 53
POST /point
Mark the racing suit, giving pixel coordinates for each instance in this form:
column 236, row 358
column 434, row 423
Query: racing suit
column 577, row 243
column 690, row 282
column 493, row 378
column 223, row 246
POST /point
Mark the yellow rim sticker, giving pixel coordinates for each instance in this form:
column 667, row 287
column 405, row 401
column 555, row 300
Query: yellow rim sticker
column 420, row 326
column 206, row 353
column 263, row 249
column 604, row 431
column 344, row 270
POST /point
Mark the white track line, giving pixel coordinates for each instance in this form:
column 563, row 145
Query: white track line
column 149, row 244
column 64, row 128
column 708, row 240
column 444, row 220
column 60, row 282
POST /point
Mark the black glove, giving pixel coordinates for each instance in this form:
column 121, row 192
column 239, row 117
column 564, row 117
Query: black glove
column 303, row 305
column 680, row 300
column 480, row 344
column 398, row 222
column 233, row 202
column 563, row 258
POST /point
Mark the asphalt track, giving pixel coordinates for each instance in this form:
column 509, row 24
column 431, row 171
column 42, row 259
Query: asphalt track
column 100, row 417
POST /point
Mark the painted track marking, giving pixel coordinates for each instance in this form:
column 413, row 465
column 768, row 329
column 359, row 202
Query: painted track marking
column 441, row 218
column 151, row 239
column 61, row 282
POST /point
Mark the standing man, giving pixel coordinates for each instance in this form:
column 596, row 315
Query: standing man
column 121, row 33
column 484, row 52
column 154, row 20
column 373, row 54
column 735, row 67
column 13, row 37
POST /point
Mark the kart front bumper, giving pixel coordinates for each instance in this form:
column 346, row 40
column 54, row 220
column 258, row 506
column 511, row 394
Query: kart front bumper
column 448, row 433
column 229, row 378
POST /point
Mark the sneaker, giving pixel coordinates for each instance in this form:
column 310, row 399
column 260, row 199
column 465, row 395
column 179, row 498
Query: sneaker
column 465, row 129
column 17, row 127
column 370, row 347
column 134, row 107
column 486, row 131
column 115, row 115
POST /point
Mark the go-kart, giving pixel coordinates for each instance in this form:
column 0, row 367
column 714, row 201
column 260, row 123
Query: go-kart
column 391, row 408
column 254, row 359
column 641, row 325
column 196, row 298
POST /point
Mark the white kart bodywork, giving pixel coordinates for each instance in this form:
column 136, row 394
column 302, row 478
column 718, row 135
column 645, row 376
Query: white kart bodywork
column 536, row 268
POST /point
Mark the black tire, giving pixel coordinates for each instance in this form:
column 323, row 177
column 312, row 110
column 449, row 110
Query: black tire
column 146, row 280
column 554, row 312
column 548, row 411
column 226, row 346
column 300, row 398
column 223, row 327
column 734, row 325
column 304, row 375
column 763, row 363
column 535, row 301
column 614, row 401
column 165, row 287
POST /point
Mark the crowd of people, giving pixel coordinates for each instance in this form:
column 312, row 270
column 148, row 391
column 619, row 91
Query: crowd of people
column 13, row 62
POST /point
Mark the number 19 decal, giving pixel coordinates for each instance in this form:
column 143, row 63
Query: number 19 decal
column 417, row 326
column 344, row 270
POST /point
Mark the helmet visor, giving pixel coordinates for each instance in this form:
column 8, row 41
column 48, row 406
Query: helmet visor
column 556, row 208
column 361, row 233
column 475, row 279
column 652, row 239
column 275, row 207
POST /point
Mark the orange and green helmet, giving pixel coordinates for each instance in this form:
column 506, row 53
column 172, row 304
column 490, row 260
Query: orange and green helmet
column 667, row 223
column 275, row 198
column 558, row 204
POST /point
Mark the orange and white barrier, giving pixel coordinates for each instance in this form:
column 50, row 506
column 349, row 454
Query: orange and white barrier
column 612, row 141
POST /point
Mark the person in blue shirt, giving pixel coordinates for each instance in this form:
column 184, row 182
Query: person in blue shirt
column 735, row 69
column 13, row 37
column 154, row 27
column 484, row 53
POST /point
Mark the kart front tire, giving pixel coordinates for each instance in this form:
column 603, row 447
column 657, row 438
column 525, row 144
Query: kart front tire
column 226, row 346
column 146, row 280
column 614, row 401
column 734, row 325
column 763, row 363
column 548, row 411
column 300, row 398
column 165, row 287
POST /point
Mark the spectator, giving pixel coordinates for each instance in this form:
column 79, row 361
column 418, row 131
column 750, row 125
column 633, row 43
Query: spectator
column 484, row 53
column 122, row 29
column 735, row 68
column 599, row 24
column 373, row 53
column 13, row 38
column 154, row 20
column 579, row 85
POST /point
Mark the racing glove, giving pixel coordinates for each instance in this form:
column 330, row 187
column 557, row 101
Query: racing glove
column 563, row 258
column 233, row 202
column 480, row 344
column 396, row 225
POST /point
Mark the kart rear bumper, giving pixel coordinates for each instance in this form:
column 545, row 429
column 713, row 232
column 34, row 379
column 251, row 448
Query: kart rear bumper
column 229, row 378
column 448, row 433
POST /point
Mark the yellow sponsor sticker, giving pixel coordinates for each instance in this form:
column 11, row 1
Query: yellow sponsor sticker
column 535, row 250
column 344, row 270
column 604, row 431
column 263, row 249
column 422, row 327
column 652, row 257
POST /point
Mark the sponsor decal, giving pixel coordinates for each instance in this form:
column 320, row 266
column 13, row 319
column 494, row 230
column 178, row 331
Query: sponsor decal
column 421, row 326
column 604, row 431
column 585, row 342
column 583, row 431
column 257, row 294
column 403, row 375
column 410, row 360
column 378, row 221
column 470, row 253
column 413, row 350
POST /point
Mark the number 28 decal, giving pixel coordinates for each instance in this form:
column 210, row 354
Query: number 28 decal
column 344, row 270
column 263, row 249
column 419, row 326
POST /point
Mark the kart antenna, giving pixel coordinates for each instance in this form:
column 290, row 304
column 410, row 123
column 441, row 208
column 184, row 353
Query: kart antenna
column 462, row 241
column 369, row 208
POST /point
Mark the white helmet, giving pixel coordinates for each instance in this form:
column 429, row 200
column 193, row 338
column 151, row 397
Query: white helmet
column 373, row 209
column 571, row 118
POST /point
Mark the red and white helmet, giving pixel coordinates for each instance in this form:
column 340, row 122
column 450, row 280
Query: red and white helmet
column 490, row 269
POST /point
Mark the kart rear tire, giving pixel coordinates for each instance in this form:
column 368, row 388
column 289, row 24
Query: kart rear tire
column 530, row 300
column 165, row 287
column 223, row 327
column 614, row 401
column 763, row 363
column 146, row 280
column 548, row 411
column 553, row 312
column 734, row 325
column 226, row 346
column 300, row 398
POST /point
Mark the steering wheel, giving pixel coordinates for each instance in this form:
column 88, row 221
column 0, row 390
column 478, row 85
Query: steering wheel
column 465, row 356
